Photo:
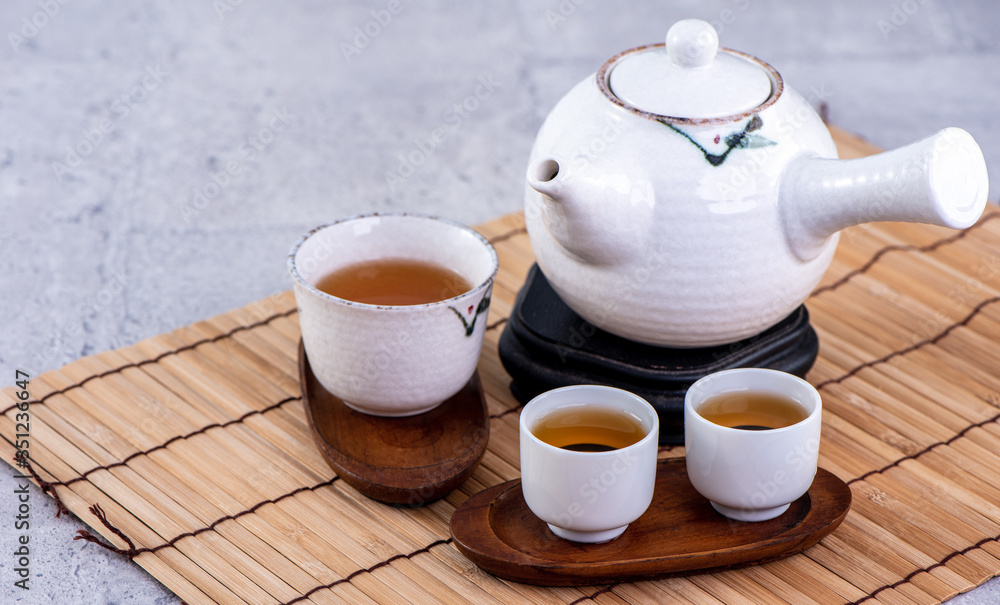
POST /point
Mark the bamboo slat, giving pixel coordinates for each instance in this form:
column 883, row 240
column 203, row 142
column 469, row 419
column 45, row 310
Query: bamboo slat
column 196, row 447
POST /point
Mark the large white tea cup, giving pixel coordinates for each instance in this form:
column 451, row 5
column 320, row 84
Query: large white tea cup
column 392, row 360
column 588, row 496
column 752, row 475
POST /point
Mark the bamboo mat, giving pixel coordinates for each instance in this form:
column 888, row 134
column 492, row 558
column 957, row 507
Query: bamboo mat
column 194, row 446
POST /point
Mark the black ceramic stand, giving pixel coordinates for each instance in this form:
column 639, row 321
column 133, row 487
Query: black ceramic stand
column 546, row 345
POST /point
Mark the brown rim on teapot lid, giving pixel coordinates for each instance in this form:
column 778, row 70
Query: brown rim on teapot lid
column 687, row 77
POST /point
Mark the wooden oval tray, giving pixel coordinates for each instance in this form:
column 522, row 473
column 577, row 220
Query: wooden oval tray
column 408, row 461
column 679, row 534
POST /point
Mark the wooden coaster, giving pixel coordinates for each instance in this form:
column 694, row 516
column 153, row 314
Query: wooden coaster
column 679, row 534
column 409, row 461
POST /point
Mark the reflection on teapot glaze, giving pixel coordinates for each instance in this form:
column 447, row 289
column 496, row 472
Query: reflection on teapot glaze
column 742, row 140
column 470, row 327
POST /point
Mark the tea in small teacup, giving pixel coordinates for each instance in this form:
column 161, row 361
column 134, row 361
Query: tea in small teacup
column 752, row 474
column 752, row 410
column 589, row 429
column 588, row 460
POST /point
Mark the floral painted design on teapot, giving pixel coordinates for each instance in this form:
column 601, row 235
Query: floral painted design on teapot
column 744, row 139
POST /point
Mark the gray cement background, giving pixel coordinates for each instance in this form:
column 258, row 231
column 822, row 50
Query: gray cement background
column 120, row 245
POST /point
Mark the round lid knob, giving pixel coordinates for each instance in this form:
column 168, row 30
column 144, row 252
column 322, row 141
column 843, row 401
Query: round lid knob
column 692, row 43
column 688, row 77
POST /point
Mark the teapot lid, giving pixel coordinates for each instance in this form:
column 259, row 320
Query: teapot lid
column 688, row 78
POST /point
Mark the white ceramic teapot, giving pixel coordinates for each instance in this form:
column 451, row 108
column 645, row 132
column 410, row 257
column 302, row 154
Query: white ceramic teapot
column 684, row 196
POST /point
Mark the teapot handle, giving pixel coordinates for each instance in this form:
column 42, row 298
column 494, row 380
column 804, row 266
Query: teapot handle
column 940, row 180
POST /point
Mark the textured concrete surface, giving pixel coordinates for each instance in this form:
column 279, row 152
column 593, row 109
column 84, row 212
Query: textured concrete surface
column 145, row 231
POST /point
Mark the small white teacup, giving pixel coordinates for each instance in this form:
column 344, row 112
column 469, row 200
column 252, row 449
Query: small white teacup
column 393, row 360
column 588, row 496
column 751, row 475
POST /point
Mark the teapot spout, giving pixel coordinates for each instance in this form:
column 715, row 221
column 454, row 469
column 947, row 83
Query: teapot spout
column 940, row 180
column 547, row 176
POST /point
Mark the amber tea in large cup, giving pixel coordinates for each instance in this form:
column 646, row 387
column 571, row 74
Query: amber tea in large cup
column 751, row 437
column 394, row 281
column 393, row 308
